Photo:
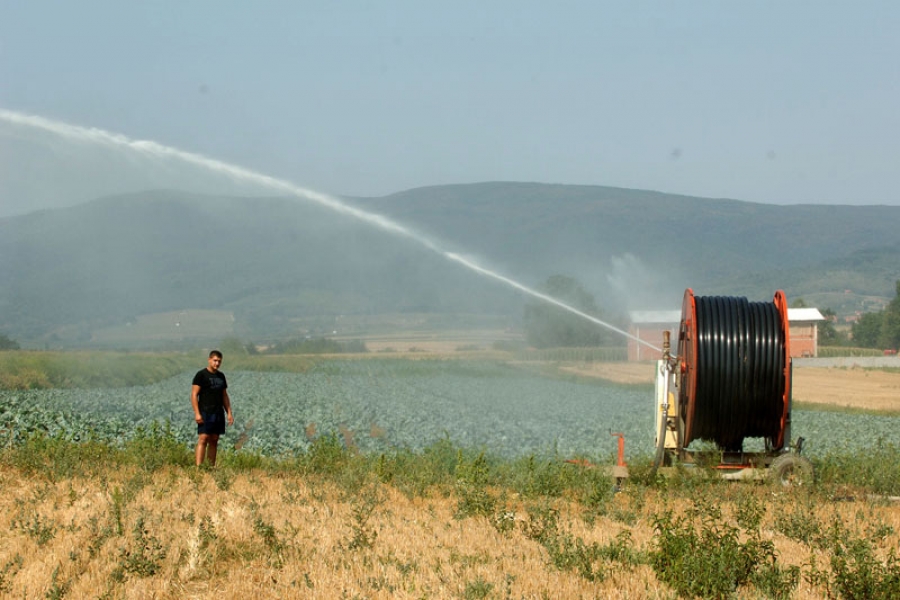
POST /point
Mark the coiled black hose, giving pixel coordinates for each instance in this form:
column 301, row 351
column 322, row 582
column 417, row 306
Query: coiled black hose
column 740, row 366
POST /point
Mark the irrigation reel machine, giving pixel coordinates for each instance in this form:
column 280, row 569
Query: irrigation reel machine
column 730, row 380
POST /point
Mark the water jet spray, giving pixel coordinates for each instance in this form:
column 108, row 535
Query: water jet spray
column 241, row 174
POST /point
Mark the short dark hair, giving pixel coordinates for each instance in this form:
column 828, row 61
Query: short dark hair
column 215, row 353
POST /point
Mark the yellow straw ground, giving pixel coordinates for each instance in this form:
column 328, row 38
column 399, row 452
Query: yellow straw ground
column 180, row 533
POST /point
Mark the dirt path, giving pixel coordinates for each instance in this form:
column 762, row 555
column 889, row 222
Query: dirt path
column 855, row 388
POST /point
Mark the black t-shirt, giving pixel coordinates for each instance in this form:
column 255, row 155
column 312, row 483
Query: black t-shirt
column 212, row 390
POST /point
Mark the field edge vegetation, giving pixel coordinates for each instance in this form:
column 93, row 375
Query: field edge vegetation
column 442, row 522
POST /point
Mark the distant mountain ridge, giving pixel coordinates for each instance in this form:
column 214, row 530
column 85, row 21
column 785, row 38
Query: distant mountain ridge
column 606, row 221
column 274, row 262
column 842, row 257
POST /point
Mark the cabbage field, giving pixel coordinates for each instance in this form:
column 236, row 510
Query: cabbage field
column 380, row 404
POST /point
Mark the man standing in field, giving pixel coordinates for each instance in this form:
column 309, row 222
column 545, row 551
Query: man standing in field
column 209, row 397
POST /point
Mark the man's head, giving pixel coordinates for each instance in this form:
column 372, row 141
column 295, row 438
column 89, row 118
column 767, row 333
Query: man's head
column 215, row 359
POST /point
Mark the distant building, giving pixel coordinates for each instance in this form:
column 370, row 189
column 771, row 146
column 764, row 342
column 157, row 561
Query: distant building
column 804, row 331
column 648, row 325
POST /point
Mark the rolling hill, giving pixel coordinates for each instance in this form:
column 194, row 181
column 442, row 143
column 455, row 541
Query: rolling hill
column 285, row 266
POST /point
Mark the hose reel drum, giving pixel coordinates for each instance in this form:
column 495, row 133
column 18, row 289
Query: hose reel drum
column 730, row 380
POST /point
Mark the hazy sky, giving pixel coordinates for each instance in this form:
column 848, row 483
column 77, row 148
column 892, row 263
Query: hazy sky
column 767, row 101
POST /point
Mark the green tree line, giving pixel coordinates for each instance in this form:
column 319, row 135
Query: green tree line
column 880, row 329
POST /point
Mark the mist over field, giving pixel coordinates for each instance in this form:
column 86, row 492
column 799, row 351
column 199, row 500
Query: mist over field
column 215, row 250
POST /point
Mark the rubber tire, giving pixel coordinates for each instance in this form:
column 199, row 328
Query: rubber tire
column 791, row 470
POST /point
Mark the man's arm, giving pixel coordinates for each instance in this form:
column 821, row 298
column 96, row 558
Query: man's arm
column 226, row 402
column 195, row 402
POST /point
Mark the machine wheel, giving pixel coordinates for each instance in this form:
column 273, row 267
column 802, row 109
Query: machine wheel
column 791, row 470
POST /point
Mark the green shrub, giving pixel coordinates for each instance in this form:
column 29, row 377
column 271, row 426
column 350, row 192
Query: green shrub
column 363, row 534
column 243, row 460
column 472, row 480
column 858, row 573
column 706, row 559
column 38, row 528
column 56, row 457
column 155, row 447
column 326, row 455
column 413, row 473
column 799, row 523
column 594, row 488
column 478, row 589
column 533, row 477
column 749, row 512
column 436, row 463
column 144, row 555
column 774, row 581
column 571, row 553
column 873, row 469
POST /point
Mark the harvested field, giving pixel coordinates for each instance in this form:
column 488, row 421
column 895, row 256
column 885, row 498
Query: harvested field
column 862, row 389
column 630, row 373
column 844, row 388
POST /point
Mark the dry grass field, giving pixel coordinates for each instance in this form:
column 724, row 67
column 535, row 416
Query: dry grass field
column 181, row 533
column 266, row 537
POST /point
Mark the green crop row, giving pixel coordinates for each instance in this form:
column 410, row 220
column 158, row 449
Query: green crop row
column 379, row 404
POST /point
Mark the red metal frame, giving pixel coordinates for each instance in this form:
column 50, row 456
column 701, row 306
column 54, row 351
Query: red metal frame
column 687, row 356
column 781, row 303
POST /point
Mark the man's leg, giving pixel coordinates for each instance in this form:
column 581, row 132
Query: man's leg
column 200, row 451
column 211, row 448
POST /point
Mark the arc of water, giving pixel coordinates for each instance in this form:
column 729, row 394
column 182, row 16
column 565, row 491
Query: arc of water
column 246, row 175
column 549, row 299
column 235, row 172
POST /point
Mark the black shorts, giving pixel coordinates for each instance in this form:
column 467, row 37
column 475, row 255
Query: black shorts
column 213, row 422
